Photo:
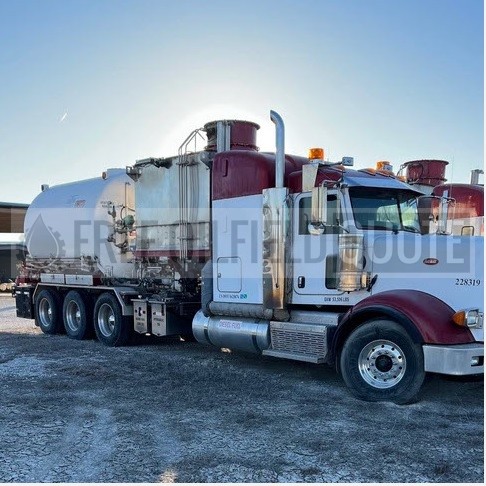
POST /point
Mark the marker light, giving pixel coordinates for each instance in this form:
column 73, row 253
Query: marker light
column 316, row 154
column 384, row 165
column 468, row 318
column 459, row 318
column 347, row 161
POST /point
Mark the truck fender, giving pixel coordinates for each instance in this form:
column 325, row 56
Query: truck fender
column 427, row 319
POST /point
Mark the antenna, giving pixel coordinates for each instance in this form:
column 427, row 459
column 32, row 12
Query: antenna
column 453, row 202
column 451, row 165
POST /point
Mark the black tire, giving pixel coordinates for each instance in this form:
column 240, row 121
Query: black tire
column 111, row 328
column 47, row 311
column 77, row 316
column 380, row 362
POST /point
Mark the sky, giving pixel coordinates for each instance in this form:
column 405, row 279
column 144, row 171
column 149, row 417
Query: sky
column 89, row 85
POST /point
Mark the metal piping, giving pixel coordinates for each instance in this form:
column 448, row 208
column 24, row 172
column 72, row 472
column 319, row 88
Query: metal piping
column 280, row 148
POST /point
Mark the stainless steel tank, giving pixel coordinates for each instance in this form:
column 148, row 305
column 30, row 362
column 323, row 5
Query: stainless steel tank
column 160, row 225
column 83, row 225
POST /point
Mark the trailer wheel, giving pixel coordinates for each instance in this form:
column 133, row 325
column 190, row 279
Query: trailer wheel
column 379, row 361
column 77, row 316
column 110, row 326
column 47, row 312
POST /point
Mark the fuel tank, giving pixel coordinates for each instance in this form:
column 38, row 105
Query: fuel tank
column 239, row 333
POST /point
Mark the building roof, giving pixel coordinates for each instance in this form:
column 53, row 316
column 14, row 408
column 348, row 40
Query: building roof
column 7, row 205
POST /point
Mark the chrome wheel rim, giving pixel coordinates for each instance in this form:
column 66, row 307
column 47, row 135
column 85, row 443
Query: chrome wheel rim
column 382, row 364
column 45, row 312
column 106, row 320
column 73, row 316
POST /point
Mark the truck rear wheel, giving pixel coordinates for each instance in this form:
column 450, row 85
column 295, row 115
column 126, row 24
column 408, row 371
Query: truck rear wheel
column 47, row 312
column 111, row 328
column 379, row 361
column 77, row 316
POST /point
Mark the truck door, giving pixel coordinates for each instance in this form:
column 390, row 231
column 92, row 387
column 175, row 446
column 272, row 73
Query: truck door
column 315, row 256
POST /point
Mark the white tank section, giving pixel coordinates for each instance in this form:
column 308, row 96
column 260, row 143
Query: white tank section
column 83, row 227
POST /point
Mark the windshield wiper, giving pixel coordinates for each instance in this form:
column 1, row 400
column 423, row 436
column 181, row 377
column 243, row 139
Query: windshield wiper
column 410, row 229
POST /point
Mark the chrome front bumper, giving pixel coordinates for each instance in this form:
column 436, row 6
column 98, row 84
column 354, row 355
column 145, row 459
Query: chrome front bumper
column 454, row 359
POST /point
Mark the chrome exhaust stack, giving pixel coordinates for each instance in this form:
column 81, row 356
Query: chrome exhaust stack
column 276, row 224
column 280, row 148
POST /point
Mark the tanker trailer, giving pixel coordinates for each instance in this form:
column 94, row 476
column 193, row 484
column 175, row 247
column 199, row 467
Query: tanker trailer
column 125, row 252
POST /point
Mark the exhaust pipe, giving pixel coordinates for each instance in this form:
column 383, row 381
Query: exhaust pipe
column 276, row 233
column 280, row 148
column 475, row 176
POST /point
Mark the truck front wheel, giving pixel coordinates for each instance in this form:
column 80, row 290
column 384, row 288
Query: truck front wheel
column 111, row 328
column 47, row 312
column 379, row 361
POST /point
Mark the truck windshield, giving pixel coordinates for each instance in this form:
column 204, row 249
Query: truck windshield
column 384, row 209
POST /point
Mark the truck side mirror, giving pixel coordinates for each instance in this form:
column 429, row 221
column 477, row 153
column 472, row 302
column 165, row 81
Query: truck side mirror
column 425, row 209
column 443, row 212
column 319, row 206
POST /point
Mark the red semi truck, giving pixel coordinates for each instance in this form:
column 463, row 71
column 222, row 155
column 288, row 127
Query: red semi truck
column 454, row 208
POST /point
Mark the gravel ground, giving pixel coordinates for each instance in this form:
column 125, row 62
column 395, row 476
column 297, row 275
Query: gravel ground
column 181, row 412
